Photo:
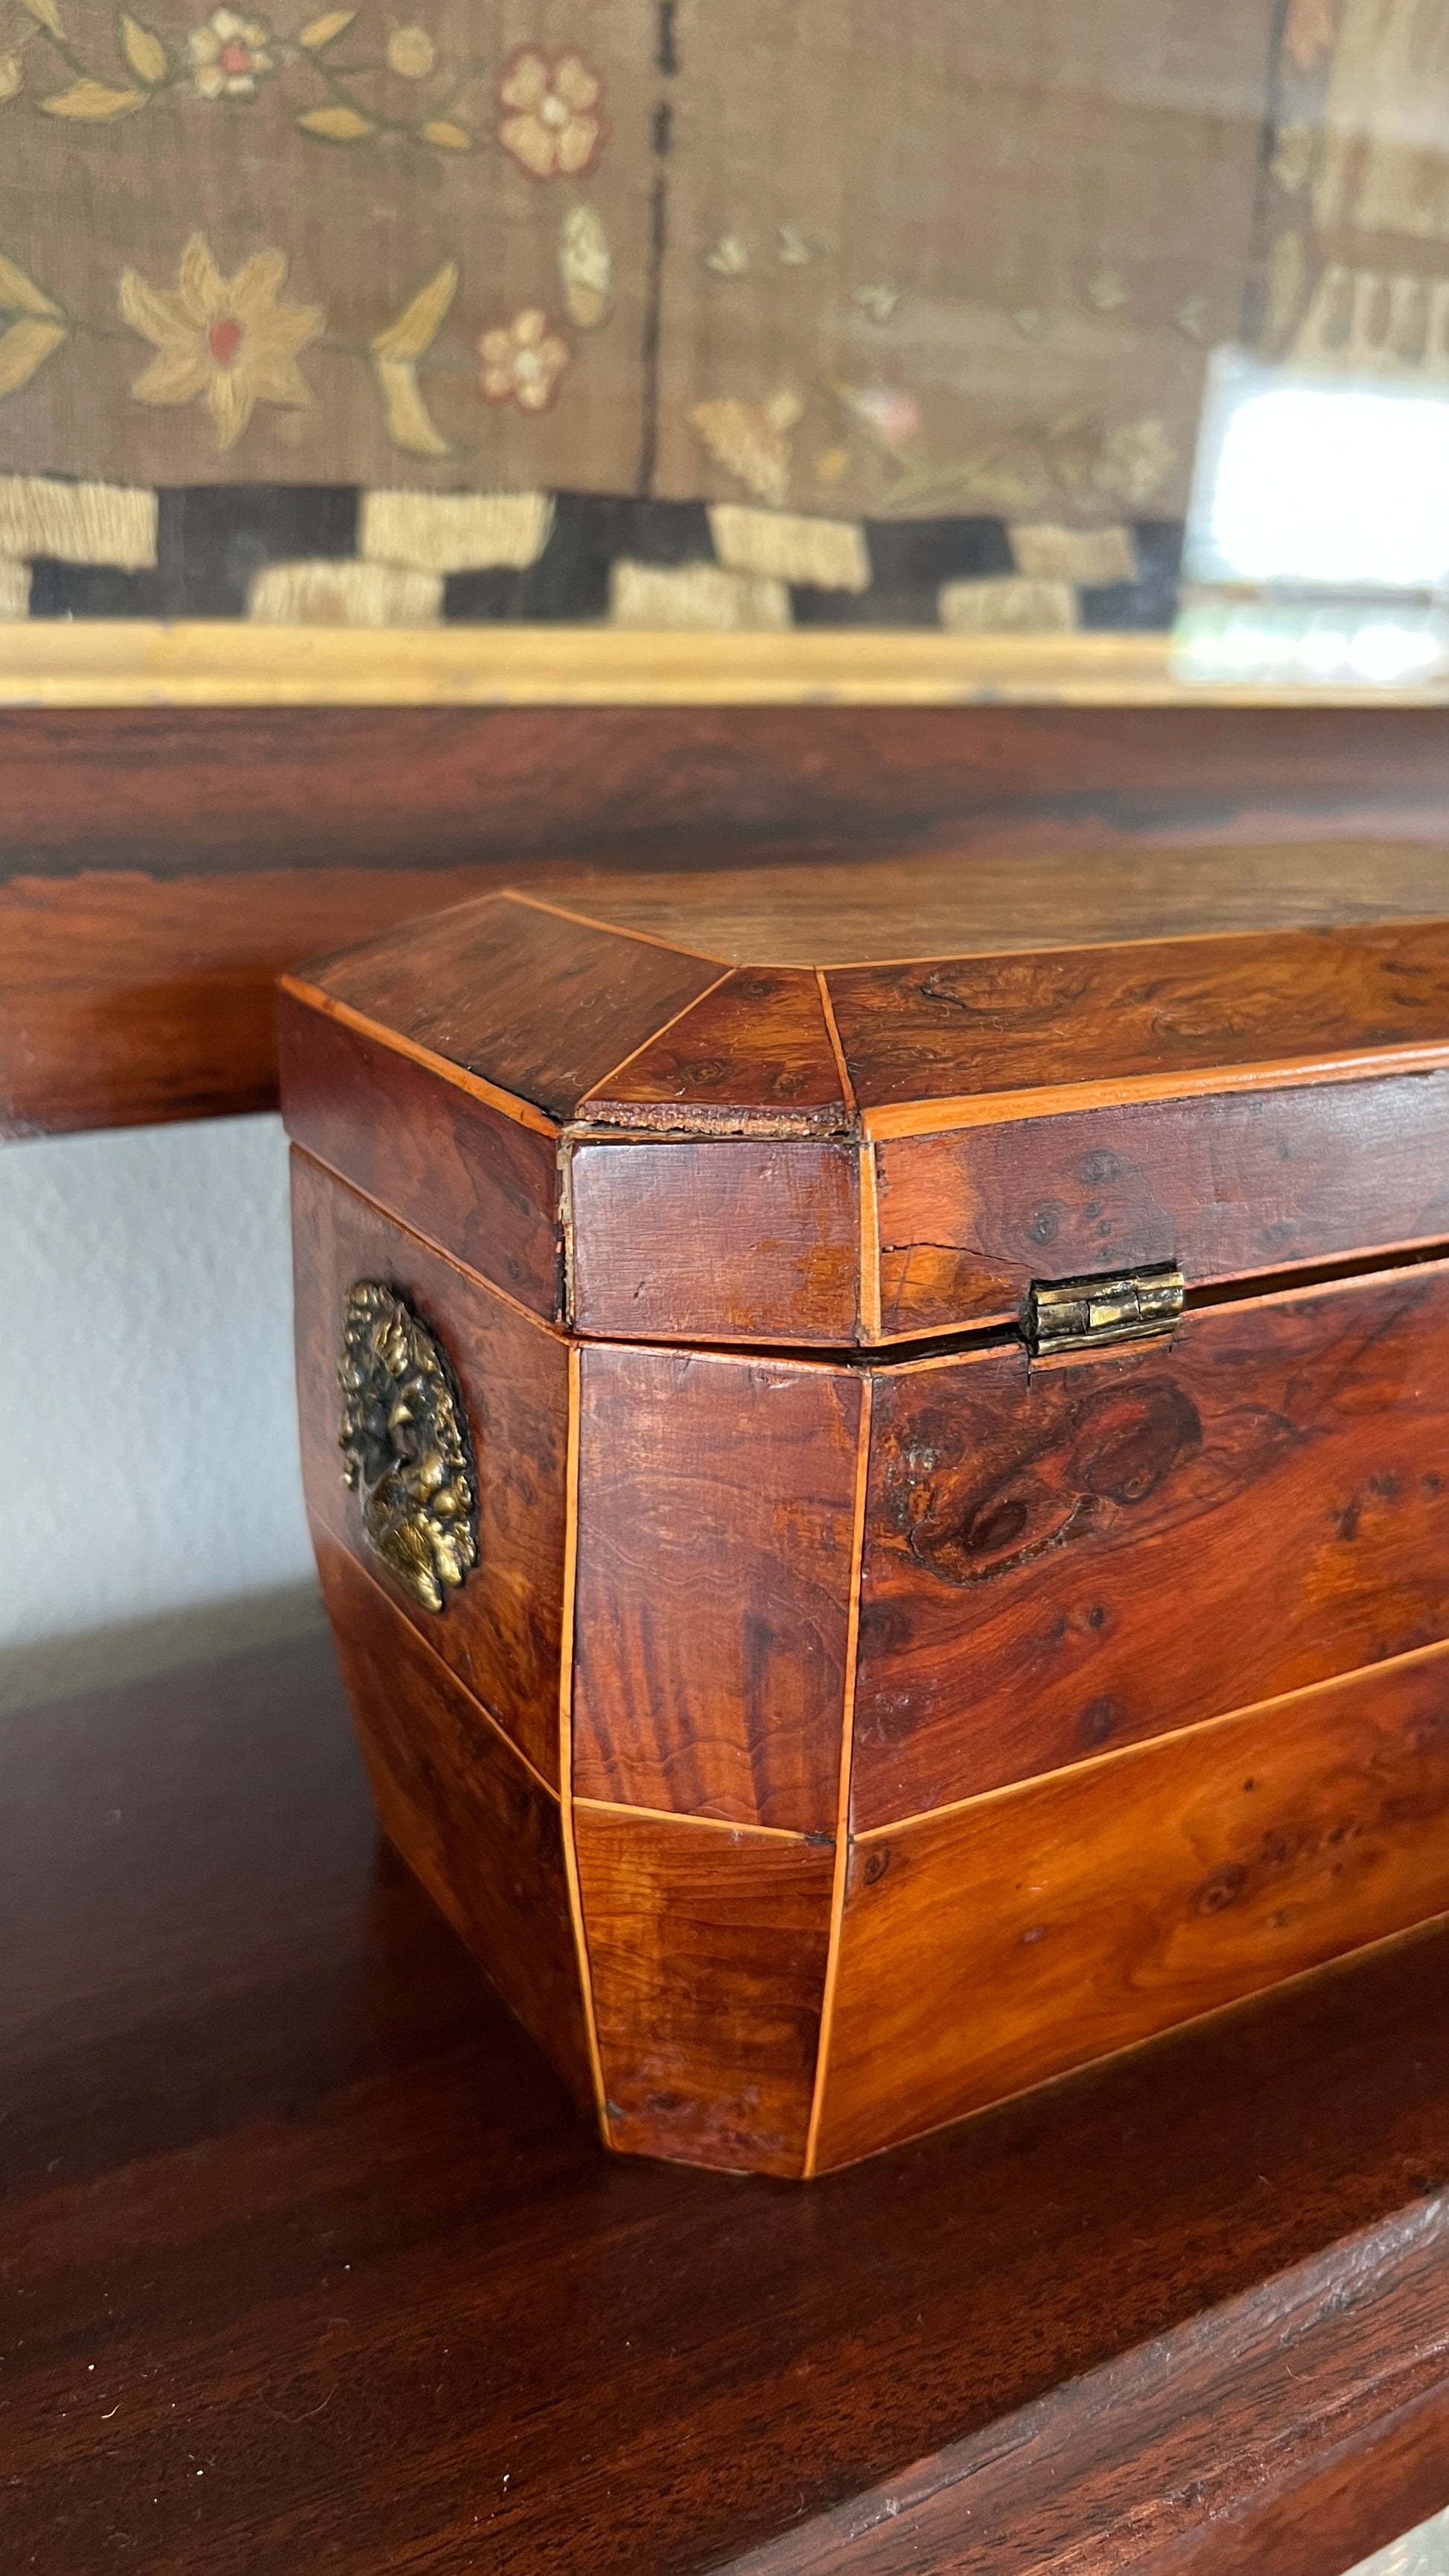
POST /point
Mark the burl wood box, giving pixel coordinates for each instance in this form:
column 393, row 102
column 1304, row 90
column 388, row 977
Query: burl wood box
column 878, row 1443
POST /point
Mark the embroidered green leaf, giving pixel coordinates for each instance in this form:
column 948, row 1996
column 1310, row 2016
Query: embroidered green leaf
column 144, row 51
column 325, row 30
column 409, row 423
column 336, row 124
column 449, row 138
column 418, row 324
column 20, row 294
column 46, row 14
column 23, row 348
column 93, row 103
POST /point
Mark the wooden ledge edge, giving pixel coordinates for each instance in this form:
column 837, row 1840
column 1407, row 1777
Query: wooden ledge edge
column 1175, row 2451
column 135, row 662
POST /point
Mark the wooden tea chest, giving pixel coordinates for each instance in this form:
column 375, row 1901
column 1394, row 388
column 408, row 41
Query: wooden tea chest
column 878, row 1446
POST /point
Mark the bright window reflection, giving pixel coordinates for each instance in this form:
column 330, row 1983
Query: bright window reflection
column 1280, row 644
column 1341, row 486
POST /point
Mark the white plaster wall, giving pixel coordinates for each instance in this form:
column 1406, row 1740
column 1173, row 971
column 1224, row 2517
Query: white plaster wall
column 150, row 1499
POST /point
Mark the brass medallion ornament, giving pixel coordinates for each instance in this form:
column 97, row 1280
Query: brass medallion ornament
column 405, row 1445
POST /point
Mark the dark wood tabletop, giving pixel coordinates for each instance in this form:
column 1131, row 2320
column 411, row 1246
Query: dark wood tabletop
column 308, row 2264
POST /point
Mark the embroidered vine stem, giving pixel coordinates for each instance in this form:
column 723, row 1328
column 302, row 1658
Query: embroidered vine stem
column 228, row 56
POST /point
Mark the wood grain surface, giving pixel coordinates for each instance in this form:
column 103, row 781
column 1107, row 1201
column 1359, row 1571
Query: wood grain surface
column 1235, row 2482
column 1243, row 1185
column 1081, row 1018
column 159, row 868
column 1062, row 1558
column 540, row 1004
column 482, row 1185
column 329, row 2230
column 992, row 1945
column 717, row 1240
column 715, row 1563
column 480, row 1829
column 130, row 994
column 528, row 995
column 207, row 792
column 756, row 1051
column 501, row 1632
column 942, row 896
column 739, row 1227
column 707, row 1954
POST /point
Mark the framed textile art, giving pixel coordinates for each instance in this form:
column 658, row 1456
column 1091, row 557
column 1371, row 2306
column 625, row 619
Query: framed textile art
column 630, row 348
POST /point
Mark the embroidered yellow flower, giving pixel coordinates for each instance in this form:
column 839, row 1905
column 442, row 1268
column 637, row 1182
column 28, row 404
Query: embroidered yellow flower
column 523, row 362
column 552, row 122
column 411, row 53
column 229, row 55
column 226, row 340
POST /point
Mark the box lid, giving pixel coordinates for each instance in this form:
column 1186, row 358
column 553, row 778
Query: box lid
column 870, row 1101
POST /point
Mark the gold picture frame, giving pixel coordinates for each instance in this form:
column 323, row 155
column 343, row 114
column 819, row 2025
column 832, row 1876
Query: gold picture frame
column 213, row 663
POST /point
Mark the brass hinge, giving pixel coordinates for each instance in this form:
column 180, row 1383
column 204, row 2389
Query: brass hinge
column 1082, row 1314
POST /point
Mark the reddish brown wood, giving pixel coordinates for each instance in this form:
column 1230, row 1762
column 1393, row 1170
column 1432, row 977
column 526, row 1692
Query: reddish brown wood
column 715, row 1543
column 481, row 1831
column 1242, row 2479
column 1387, row 2472
column 541, row 1004
column 707, row 1954
column 476, row 1181
column 991, row 1945
column 174, row 790
column 287, row 2174
column 128, row 997
column 1251, row 1183
column 527, row 995
column 514, row 1000
column 754, row 1053
column 958, row 894
column 1046, row 1560
column 146, row 913
column 1079, row 1017
column 714, row 1241
column 1068, row 1557
column 501, row 1633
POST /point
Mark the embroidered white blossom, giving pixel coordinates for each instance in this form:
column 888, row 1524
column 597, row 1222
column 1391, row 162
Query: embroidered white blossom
column 228, row 56
column 523, row 361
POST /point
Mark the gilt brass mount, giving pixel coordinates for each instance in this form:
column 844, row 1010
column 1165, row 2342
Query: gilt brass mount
column 405, row 1445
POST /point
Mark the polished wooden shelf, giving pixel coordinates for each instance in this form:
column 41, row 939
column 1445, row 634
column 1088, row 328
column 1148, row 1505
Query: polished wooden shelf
column 160, row 866
column 309, row 2264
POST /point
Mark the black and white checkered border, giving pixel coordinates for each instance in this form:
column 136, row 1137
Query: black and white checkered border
column 213, row 539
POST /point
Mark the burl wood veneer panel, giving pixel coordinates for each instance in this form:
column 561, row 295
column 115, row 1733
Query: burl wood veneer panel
column 716, row 1240
column 756, row 1051
column 707, row 1954
column 1253, row 1182
column 473, row 1179
column 1163, row 1008
column 501, row 1632
column 541, row 1004
column 1067, row 1557
column 992, row 1946
column 716, row 1512
column 483, row 1834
